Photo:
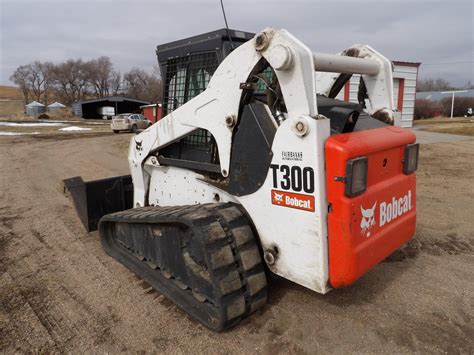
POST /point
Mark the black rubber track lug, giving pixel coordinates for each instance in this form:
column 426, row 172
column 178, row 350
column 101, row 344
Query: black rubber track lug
column 204, row 258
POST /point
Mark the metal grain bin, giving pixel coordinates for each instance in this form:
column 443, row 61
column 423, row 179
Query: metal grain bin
column 55, row 106
column 77, row 108
column 35, row 108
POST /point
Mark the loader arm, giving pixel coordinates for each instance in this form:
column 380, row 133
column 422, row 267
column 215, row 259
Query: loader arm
column 377, row 78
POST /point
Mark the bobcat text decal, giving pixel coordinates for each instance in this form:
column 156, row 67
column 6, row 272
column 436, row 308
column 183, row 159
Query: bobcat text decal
column 395, row 208
column 292, row 200
column 388, row 211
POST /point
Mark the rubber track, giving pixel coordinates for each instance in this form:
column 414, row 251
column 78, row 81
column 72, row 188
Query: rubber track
column 232, row 258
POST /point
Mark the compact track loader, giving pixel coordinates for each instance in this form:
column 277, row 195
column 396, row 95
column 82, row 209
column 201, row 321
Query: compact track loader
column 258, row 168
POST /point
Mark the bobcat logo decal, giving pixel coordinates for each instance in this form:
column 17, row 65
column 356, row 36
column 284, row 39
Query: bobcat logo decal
column 368, row 219
column 278, row 197
column 138, row 146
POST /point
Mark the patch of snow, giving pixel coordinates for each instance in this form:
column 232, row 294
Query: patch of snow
column 6, row 133
column 74, row 128
column 76, row 121
column 28, row 124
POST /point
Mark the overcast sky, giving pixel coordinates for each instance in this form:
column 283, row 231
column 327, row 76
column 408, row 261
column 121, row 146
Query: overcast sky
column 438, row 33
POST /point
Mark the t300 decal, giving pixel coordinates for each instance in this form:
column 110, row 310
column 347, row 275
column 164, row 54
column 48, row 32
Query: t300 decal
column 294, row 178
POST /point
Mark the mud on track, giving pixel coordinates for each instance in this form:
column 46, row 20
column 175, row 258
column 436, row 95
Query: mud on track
column 60, row 292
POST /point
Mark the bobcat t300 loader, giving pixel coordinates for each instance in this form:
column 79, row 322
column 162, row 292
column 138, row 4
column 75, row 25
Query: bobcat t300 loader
column 258, row 168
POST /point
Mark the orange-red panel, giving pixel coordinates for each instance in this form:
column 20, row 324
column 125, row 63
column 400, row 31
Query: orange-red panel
column 365, row 229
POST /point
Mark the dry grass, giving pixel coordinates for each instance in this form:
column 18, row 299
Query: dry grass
column 62, row 114
column 463, row 128
column 10, row 93
column 441, row 120
column 10, row 108
column 11, row 103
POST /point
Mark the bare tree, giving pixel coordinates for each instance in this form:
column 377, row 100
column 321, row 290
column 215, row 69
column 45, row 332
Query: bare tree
column 139, row 84
column 47, row 68
column 70, row 80
column 434, row 85
column 38, row 78
column 73, row 79
column 20, row 78
column 469, row 85
column 34, row 80
column 115, row 83
column 101, row 75
column 135, row 82
column 156, row 85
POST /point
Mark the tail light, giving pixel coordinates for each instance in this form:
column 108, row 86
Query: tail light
column 410, row 158
column 356, row 176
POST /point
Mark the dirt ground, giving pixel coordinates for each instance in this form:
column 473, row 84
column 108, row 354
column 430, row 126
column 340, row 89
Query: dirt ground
column 60, row 292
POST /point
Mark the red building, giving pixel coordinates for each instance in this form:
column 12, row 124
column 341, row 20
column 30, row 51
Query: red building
column 153, row 112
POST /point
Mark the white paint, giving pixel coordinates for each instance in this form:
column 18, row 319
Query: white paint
column 171, row 186
column 74, row 128
column 301, row 236
column 333, row 63
column 281, row 57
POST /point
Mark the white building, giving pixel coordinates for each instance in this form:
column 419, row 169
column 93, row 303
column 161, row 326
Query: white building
column 405, row 75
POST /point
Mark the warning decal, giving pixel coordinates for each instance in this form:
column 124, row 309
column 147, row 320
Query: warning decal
column 293, row 200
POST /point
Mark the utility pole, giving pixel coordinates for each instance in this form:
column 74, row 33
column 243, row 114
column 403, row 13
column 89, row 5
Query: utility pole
column 452, row 100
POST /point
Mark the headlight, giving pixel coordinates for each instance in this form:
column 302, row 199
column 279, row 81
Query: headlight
column 356, row 176
column 410, row 158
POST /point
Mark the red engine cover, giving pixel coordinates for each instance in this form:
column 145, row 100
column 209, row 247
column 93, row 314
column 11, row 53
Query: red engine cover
column 365, row 229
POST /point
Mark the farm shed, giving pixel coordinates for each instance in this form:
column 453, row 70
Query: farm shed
column 405, row 75
column 91, row 108
column 153, row 112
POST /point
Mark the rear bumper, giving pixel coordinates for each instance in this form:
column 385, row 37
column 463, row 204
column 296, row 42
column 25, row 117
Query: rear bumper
column 121, row 127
